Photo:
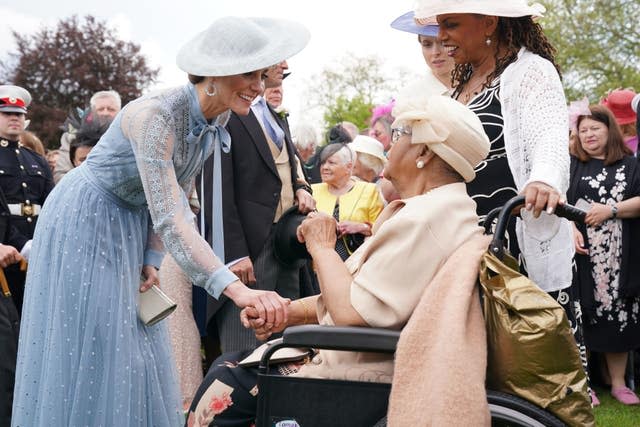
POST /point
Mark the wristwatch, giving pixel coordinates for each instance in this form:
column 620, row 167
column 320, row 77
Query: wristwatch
column 614, row 211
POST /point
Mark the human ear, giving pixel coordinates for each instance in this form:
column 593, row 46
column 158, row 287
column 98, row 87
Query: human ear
column 490, row 25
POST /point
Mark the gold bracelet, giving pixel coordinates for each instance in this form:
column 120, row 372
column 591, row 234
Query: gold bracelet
column 306, row 310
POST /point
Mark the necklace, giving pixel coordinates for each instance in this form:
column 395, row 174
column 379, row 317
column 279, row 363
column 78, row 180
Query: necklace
column 468, row 93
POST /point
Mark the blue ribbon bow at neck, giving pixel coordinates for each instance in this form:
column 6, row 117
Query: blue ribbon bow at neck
column 209, row 133
column 217, row 135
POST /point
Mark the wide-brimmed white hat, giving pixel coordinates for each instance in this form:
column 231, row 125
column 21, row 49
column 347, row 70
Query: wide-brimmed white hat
column 447, row 127
column 368, row 145
column 235, row 45
column 426, row 10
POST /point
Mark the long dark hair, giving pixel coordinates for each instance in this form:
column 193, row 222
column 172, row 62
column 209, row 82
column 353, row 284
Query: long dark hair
column 512, row 33
column 616, row 149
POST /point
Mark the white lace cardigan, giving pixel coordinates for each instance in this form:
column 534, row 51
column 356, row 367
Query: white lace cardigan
column 536, row 139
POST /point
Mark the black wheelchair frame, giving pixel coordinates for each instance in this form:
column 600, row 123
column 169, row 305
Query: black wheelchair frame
column 308, row 402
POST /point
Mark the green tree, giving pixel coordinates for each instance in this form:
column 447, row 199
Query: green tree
column 349, row 89
column 63, row 66
column 598, row 43
column 355, row 110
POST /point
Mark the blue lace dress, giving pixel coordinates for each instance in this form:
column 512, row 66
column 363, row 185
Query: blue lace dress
column 84, row 357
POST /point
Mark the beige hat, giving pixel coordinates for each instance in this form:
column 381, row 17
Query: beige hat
column 427, row 10
column 367, row 145
column 235, row 45
column 448, row 128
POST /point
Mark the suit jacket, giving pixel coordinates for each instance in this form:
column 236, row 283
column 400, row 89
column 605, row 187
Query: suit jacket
column 251, row 186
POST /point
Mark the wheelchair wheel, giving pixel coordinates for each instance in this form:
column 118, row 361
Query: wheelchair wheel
column 511, row 411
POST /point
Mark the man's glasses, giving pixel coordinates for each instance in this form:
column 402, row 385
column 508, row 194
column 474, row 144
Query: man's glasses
column 396, row 133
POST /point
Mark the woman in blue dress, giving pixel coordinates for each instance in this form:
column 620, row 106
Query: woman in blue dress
column 84, row 357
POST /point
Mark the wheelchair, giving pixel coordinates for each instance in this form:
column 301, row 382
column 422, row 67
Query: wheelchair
column 306, row 402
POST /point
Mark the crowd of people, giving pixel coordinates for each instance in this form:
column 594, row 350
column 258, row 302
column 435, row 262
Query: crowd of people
column 209, row 171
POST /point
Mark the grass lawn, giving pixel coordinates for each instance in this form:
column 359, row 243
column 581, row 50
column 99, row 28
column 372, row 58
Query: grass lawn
column 612, row 413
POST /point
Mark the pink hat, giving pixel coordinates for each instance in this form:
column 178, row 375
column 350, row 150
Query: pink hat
column 619, row 102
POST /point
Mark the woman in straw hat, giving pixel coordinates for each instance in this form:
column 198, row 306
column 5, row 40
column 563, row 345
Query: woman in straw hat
column 506, row 73
column 437, row 142
column 84, row 356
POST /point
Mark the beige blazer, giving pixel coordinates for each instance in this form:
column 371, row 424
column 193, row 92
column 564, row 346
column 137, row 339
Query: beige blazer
column 411, row 240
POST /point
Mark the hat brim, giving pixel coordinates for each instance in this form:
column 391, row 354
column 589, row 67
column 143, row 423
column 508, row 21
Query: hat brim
column 286, row 247
column 408, row 24
column 428, row 12
column 235, row 45
column 13, row 110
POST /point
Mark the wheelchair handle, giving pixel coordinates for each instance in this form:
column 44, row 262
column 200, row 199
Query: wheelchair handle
column 497, row 243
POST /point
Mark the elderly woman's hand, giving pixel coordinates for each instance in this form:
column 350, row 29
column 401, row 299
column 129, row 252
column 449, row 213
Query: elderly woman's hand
column 318, row 231
column 352, row 227
column 251, row 319
column 540, row 196
column 270, row 306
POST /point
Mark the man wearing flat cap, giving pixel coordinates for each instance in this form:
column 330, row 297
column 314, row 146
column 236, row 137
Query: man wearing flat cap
column 25, row 177
column 261, row 179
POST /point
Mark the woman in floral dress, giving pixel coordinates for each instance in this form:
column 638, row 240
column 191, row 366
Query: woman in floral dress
column 605, row 175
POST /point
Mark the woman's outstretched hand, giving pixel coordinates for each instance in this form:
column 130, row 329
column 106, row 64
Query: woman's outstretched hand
column 263, row 330
column 270, row 306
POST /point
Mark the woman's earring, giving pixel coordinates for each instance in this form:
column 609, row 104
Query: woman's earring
column 419, row 164
column 210, row 92
column 488, row 41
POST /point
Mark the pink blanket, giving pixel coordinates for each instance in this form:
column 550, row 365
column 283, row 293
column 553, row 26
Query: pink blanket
column 441, row 360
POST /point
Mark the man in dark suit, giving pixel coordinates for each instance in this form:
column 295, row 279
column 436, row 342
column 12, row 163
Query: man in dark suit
column 261, row 178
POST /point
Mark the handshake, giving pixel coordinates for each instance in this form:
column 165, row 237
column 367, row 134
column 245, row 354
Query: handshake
column 263, row 326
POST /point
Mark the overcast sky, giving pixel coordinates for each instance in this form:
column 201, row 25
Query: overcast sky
column 337, row 27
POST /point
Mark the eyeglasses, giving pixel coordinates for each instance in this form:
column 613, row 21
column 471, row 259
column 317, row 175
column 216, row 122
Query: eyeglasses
column 396, row 133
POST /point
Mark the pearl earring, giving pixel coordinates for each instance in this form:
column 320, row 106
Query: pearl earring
column 210, row 92
column 488, row 41
column 419, row 164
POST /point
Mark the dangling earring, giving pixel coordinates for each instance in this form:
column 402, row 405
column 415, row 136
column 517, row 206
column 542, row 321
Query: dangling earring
column 419, row 164
column 488, row 41
column 210, row 92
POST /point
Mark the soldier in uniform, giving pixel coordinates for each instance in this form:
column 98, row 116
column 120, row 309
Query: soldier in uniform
column 25, row 177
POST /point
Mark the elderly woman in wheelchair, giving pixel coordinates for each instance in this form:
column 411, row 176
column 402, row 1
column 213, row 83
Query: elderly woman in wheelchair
column 437, row 142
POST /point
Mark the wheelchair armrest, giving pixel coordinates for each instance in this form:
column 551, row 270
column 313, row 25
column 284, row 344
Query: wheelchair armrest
column 350, row 338
column 347, row 338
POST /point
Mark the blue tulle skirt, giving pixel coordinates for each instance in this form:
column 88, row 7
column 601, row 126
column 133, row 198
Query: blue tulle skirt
column 84, row 357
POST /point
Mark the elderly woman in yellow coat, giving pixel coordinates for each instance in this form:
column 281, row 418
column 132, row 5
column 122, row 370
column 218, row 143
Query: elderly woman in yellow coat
column 354, row 204
column 437, row 144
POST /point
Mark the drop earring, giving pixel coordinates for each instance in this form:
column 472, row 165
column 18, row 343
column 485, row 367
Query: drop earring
column 488, row 41
column 210, row 92
column 419, row 164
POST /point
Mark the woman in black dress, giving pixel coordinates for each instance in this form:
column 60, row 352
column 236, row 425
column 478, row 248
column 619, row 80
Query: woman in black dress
column 605, row 175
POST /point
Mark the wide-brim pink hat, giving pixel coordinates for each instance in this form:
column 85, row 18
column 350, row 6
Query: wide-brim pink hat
column 427, row 10
column 619, row 102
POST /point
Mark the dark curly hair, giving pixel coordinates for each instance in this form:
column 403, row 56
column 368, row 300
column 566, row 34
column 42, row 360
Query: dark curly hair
column 512, row 33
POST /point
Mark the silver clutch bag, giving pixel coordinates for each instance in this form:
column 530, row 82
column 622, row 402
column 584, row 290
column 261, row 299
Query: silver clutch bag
column 154, row 305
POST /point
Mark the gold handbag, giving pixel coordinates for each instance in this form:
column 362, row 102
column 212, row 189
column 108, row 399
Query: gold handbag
column 531, row 349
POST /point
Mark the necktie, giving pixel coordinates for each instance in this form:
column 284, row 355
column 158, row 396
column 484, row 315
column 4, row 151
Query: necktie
column 270, row 126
